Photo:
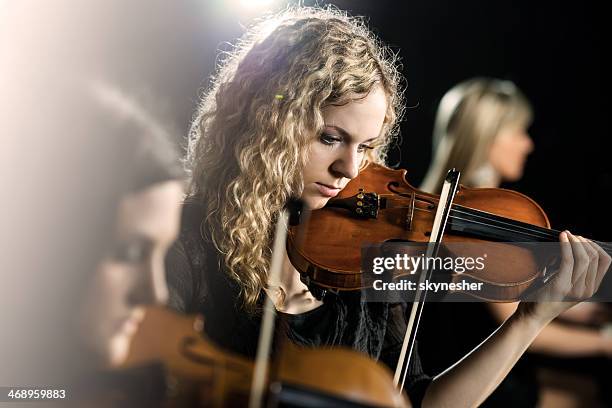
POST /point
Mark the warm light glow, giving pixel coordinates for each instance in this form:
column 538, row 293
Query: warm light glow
column 255, row 4
column 245, row 10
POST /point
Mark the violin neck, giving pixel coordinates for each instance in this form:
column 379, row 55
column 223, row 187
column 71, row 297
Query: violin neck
column 479, row 224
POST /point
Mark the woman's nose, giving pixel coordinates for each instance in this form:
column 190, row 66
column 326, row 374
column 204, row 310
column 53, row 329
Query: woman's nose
column 152, row 288
column 347, row 165
column 528, row 143
column 159, row 285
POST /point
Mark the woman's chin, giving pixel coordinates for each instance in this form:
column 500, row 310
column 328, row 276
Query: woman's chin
column 315, row 202
column 118, row 350
column 119, row 345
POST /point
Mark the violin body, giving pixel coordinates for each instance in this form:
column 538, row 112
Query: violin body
column 204, row 374
column 327, row 248
column 201, row 374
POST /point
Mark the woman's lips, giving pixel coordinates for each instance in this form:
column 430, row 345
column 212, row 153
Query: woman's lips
column 327, row 191
column 126, row 325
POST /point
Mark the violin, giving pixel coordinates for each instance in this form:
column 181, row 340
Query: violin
column 203, row 374
column 379, row 205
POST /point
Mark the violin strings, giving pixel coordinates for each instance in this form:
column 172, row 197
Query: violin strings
column 515, row 226
column 505, row 224
column 519, row 226
column 502, row 223
column 552, row 236
column 547, row 234
column 500, row 227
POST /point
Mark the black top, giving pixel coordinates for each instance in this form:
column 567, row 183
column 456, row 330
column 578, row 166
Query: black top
column 142, row 386
column 466, row 325
column 197, row 284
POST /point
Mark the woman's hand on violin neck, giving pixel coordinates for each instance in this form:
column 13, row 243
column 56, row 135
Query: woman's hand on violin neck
column 583, row 267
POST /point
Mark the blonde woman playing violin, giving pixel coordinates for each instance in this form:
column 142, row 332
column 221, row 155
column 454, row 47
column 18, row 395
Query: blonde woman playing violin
column 295, row 110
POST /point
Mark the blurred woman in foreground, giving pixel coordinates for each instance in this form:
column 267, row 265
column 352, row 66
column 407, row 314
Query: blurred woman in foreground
column 91, row 235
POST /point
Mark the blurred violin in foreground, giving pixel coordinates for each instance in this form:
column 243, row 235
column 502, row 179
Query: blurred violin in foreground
column 203, row 374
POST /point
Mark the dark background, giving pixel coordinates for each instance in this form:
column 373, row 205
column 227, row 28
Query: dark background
column 553, row 52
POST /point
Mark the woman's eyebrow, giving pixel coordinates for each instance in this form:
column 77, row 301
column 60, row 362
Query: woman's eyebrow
column 346, row 134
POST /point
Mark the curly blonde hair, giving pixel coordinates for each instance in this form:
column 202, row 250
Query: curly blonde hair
column 249, row 141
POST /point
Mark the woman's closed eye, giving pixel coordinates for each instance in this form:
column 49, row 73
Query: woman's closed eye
column 331, row 140
column 363, row 147
column 132, row 251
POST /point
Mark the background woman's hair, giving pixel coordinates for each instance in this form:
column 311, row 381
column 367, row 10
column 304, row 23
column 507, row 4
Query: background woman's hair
column 469, row 117
column 249, row 141
column 149, row 152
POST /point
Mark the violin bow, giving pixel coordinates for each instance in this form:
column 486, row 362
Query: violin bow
column 449, row 189
column 260, row 369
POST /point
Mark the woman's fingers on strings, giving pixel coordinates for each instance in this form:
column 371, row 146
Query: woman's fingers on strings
column 591, row 263
column 562, row 283
column 583, row 289
column 604, row 261
column 581, row 258
column 586, row 260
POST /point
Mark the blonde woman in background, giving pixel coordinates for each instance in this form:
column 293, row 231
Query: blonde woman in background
column 481, row 129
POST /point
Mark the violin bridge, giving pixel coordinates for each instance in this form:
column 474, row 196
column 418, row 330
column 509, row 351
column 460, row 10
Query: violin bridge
column 410, row 212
